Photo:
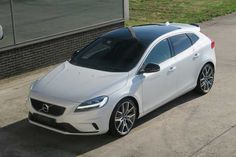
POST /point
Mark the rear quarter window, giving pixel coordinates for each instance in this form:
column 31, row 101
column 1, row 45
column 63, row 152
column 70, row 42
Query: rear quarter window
column 180, row 43
column 194, row 38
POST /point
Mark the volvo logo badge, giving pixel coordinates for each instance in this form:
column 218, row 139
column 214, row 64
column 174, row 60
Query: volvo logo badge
column 45, row 108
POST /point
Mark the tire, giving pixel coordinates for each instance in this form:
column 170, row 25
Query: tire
column 123, row 117
column 205, row 79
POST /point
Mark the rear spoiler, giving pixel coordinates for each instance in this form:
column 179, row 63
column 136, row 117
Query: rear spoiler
column 191, row 26
column 194, row 24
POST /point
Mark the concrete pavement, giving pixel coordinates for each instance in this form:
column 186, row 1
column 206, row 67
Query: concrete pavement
column 190, row 126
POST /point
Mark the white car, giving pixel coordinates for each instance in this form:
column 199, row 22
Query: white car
column 122, row 76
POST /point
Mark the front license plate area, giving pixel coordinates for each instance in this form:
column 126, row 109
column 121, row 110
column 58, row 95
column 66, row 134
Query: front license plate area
column 44, row 120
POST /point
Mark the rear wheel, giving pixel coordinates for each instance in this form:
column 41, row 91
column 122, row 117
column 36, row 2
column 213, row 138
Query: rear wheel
column 205, row 79
column 123, row 117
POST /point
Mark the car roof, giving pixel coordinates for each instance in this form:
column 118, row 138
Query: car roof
column 145, row 34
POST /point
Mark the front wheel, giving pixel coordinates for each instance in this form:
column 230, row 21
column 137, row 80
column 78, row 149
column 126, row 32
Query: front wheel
column 123, row 117
column 205, row 79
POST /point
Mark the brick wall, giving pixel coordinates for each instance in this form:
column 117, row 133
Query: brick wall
column 31, row 57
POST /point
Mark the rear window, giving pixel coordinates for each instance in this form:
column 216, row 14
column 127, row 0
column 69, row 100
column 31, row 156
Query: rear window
column 180, row 43
column 194, row 38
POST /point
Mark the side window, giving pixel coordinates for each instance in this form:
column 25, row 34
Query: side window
column 194, row 38
column 159, row 53
column 180, row 43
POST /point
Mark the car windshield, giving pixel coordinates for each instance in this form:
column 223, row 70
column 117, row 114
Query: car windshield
column 107, row 54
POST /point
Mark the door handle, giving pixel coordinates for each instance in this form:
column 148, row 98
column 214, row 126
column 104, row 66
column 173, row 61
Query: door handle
column 196, row 55
column 172, row 69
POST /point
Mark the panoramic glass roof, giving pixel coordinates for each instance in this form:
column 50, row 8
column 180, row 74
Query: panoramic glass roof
column 145, row 34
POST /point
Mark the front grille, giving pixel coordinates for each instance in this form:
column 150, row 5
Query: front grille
column 66, row 127
column 47, row 108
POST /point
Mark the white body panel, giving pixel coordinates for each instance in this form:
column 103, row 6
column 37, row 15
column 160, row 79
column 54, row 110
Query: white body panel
column 66, row 81
column 157, row 87
column 70, row 85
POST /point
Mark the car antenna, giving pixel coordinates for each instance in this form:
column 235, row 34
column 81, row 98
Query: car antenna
column 131, row 30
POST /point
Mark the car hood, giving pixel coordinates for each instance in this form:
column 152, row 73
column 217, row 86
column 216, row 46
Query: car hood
column 78, row 84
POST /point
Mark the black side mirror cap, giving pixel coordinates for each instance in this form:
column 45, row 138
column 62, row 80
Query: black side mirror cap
column 150, row 68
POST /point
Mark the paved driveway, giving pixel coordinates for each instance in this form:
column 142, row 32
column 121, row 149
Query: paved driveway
column 188, row 126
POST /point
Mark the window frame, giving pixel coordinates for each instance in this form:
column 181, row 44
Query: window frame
column 191, row 39
column 35, row 40
column 174, row 53
column 170, row 47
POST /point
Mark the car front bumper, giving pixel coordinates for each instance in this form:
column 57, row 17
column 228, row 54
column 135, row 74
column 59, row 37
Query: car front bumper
column 92, row 122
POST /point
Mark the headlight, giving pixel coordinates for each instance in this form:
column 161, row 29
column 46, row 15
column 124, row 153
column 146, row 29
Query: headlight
column 97, row 102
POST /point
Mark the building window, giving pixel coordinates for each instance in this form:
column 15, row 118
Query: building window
column 42, row 18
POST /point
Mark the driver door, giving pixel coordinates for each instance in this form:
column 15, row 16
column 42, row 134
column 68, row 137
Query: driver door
column 159, row 87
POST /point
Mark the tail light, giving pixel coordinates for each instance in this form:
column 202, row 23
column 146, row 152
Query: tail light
column 213, row 44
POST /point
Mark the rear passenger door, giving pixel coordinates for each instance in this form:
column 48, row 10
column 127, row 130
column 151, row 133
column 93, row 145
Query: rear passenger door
column 186, row 62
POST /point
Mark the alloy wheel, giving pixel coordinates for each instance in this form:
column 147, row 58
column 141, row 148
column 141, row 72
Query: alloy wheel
column 207, row 78
column 125, row 117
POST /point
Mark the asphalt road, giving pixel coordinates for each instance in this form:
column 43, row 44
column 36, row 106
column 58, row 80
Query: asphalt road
column 190, row 126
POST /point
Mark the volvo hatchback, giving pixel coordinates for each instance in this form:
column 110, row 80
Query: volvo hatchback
column 120, row 77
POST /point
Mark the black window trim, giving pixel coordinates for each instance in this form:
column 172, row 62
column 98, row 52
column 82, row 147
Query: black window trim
column 170, row 47
column 174, row 53
column 143, row 61
column 191, row 39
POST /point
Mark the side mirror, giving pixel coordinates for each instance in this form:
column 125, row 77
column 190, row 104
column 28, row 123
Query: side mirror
column 1, row 32
column 150, row 68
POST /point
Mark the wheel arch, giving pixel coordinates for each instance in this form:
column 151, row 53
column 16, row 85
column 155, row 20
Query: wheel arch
column 125, row 97
column 197, row 88
column 208, row 62
column 135, row 102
